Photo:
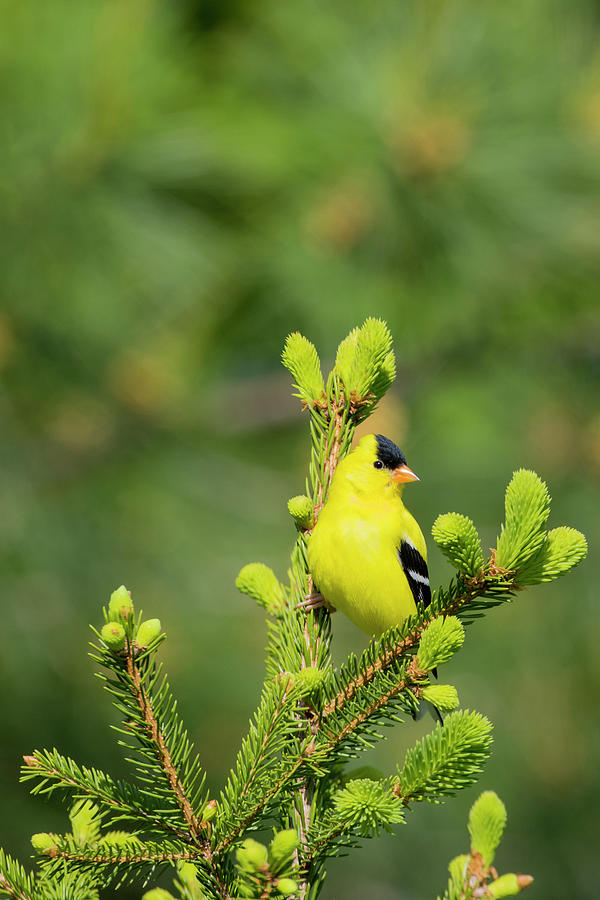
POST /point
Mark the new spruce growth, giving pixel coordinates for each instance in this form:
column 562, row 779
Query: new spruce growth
column 440, row 641
column 291, row 776
column 472, row 875
column 525, row 551
column 301, row 359
column 260, row 582
column 458, row 540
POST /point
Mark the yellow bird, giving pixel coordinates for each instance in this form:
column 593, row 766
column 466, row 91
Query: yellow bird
column 367, row 554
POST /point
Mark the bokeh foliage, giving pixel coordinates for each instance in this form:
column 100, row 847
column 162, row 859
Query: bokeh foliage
column 184, row 183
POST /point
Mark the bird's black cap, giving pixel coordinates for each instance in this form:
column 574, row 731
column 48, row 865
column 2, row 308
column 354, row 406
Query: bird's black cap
column 389, row 453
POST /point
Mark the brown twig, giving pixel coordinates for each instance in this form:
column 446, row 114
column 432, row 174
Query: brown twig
column 45, row 771
column 162, row 751
column 123, row 859
column 267, row 796
column 252, row 772
column 307, row 788
column 6, row 887
column 336, row 738
column 332, row 460
column 164, row 757
column 473, row 587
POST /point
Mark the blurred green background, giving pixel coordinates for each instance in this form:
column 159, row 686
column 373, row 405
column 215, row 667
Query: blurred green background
column 183, row 183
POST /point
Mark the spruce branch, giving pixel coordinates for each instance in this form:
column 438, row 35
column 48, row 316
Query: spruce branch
column 15, row 882
column 270, row 734
column 472, row 875
column 120, row 801
column 466, row 598
column 163, row 751
column 165, row 760
column 446, row 760
column 351, row 392
column 359, row 810
column 116, row 866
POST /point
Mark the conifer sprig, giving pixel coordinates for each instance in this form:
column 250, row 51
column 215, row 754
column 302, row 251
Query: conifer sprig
column 361, row 809
column 121, row 802
column 446, row 760
column 116, row 866
column 472, row 875
column 272, row 732
column 164, row 758
column 15, row 882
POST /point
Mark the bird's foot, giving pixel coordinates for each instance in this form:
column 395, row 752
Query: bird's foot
column 314, row 601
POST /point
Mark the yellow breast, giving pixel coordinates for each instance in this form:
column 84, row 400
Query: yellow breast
column 353, row 556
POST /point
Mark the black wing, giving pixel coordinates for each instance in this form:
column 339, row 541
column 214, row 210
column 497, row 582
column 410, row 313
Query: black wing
column 417, row 575
column 415, row 569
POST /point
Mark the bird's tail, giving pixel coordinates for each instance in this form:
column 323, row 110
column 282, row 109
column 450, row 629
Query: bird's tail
column 427, row 707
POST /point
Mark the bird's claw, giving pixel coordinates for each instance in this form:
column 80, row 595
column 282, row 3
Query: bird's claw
column 314, row 601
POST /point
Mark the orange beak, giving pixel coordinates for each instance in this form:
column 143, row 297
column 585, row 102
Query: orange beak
column 403, row 474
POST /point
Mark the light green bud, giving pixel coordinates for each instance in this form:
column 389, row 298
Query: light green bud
column 188, row 873
column 302, row 360
column 209, row 811
column 508, row 885
column 458, row 540
column 120, row 604
column 286, row 886
column 282, row 847
column 85, row 821
column 443, row 696
column 147, row 632
column 113, row 635
column 261, row 583
column 385, row 376
column 43, row 842
column 564, row 548
column 302, row 511
column 440, row 641
column 365, row 363
column 157, row 894
column 527, row 506
column 458, row 869
column 309, row 679
column 487, row 819
column 345, row 356
column 251, row 856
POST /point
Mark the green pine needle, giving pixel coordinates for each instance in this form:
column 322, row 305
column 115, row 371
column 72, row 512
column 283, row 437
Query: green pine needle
column 365, row 361
column 301, row 359
column 14, row 880
column 527, row 507
column 366, row 806
column 563, row 549
column 260, row 582
column 440, row 641
column 487, row 819
column 448, row 759
column 458, row 540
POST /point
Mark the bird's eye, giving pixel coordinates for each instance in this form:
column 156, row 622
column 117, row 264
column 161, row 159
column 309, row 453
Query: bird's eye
column 378, row 464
